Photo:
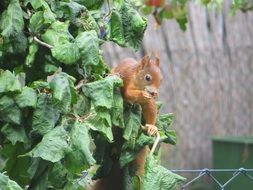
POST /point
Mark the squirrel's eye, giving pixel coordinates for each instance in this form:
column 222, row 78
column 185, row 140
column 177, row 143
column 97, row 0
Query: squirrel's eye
column 148, row 77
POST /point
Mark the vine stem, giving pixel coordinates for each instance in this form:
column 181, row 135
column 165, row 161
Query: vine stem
column 42, row 43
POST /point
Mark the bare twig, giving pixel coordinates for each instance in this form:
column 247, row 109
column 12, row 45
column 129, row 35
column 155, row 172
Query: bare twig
column 42, row 43
column 155, row 143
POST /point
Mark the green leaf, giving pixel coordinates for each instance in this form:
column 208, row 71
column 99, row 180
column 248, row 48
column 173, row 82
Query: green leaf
column 89, row 47
column 38, row 172
column 164, row 123
column 62, row 86
column 12, row 20
column 66, row 53
column 95, row 4
column 132, row 118
column 37, row 22
column 16, row 165
column 127, row 26
column 100, row 120
column 27, row 98
column 53, row 146
column 9, row 111
column 117, row 110
column 69, row 10
column 35, row 3
column 101, row 92
column 14, row 133
column 158, row 176
column 33, row 49
column 82, row 105
column 57, row 34
column 45, row 115
column 15, row 45
column 80, row 158
column 7, row 184
column 129, row 152
column 58, row 176
column 117, row 28
column 9, row 82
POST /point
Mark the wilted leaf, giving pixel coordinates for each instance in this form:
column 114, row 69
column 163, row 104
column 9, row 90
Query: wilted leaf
column 53, row 146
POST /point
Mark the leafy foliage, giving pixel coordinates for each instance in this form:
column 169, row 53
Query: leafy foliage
column 59, row 108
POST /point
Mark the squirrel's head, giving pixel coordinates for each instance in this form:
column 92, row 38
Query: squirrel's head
column 149, row 75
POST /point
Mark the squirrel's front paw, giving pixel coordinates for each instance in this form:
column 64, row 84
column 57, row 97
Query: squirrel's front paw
column 146, row 95
column 151, row 129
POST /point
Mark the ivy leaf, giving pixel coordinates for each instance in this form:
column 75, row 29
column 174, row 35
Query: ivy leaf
column 27, row 98
column 12, row 20
column 66, row 53
column 9, row 111
column 7, row 183
column 9, row 82
column 158, row 176
column 89, row 47
column 53, row 146
column 80, row 158
column 14, row 133
column 101, row 92
column 45, row 115
column 62, row 86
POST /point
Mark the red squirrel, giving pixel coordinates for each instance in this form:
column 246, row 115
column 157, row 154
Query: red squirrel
column 141, row 82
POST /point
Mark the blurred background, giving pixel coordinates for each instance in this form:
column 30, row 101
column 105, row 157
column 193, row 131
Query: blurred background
column 208, row 79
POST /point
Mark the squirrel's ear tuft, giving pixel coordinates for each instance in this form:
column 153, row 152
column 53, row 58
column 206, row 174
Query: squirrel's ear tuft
column 157, row 59
column 145, row 61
